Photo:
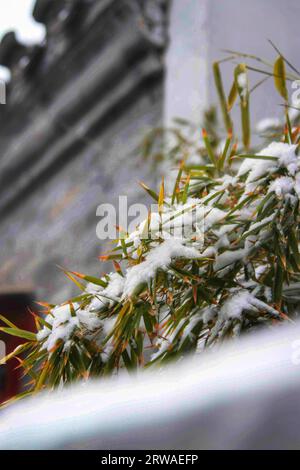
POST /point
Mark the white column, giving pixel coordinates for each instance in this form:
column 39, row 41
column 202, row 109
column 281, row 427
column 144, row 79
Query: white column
column 186, row 85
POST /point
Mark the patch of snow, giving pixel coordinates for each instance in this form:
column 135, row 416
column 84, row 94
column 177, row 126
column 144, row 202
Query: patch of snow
column 243, row 83
column 261, row 223
column 281, row 186
column 192, row 322
column 259, row 270
column 241, row 301
column 93, row 288
column 61, row 332
column 229, row 257
column 159, row 257
column 213, row 216
column 257, row 169
column 209, row 314
column 88, row 319
column 297, row 184
column 163, row 343
column 110, row 295
column 227, row 180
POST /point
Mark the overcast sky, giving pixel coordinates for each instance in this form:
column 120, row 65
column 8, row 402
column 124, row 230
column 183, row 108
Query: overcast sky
column 16, row 15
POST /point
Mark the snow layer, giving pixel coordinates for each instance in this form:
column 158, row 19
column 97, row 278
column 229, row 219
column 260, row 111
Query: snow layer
column 229, row 257
column 63, row 324
column 110, row 295
column 285, row 156
column 241, row 301
column 181, row 221
column 158, row 258
column 281, row 186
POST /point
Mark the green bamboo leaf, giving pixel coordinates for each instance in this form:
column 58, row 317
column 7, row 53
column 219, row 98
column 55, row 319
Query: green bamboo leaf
column 18, row 350
column 185, row 190
column 161, row 196
column 19, row 333
column 177, row 182
column 7, row 322
column 240, row 205
column 139, row 343
column 209, row 149
column 124, row 248
column 223, row 157
column 246, row 125
column 261, row 206
column 232, row 96
column 288, row 127
column 72, row 278
column 293, row 243
column 151, row 193
column 284, row 58
column 149, row 321
column 92, row 279
column 221, row 95
column 42, row 377
column 241, row 82
column 43, row 322
column 127, row 360
column 280, row 77
column 278, row 283
column 18, row 397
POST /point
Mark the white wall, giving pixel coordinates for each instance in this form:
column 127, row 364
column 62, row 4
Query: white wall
column 200, row 29
column 186, row 93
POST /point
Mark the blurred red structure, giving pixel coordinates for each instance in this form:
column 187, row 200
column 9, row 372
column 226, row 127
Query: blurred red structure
column 14, row 305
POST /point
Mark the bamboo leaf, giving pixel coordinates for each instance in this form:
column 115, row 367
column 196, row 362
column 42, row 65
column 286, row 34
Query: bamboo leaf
column 149, row 191
column 185, row 190
column 232, row 96
column 176, row 185
column 161, row 196
column 18, row 397
column 18, row 350
column 284, row 58
column 7, row 322
column 221, row 95
column 92, row 279
column 19, row 333
column 278, row 283
column 225, row 151
column 241, row 82
column 280, row 77
column 72, row 278
column 209, row 149
column 293, row 243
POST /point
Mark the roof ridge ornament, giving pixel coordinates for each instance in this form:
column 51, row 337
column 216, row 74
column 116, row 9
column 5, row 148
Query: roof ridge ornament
column 154, row 20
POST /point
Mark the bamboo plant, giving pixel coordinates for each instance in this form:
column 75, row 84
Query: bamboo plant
column 171, row 296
